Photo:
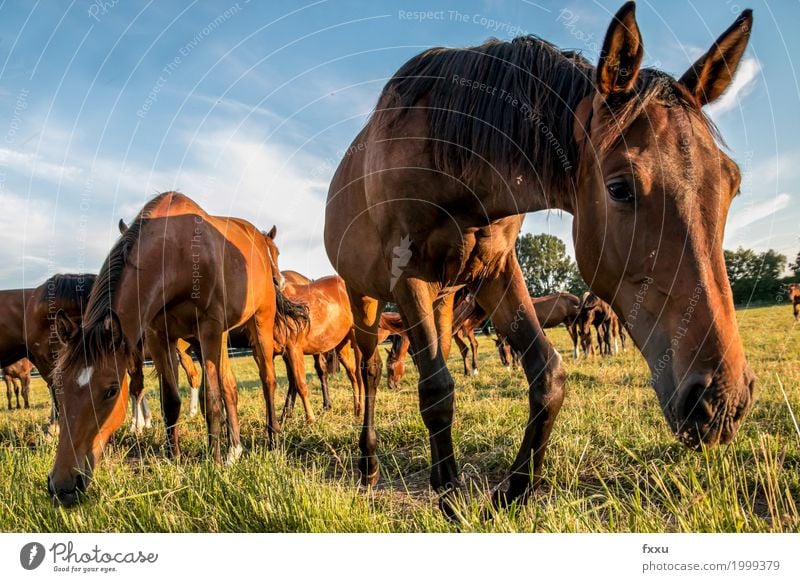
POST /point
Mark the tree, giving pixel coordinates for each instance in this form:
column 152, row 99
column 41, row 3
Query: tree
column 546, row 266
column 755, row 276
column 795, row 267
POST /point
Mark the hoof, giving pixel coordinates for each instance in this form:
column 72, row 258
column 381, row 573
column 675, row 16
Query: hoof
column 234, row 454
column 370, row 472
column 475, row 372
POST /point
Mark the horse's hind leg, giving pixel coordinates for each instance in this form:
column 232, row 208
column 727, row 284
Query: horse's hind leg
column 322, row 373
column 230, row 397
column 17, row 388
column 192, row 375
column 9, row 389
column 261, row 328
column 137, row 398
column 347, row 361
column 463, row 350
column 211, row 347
column 474, row 343
column 26, row 390
column 295, row 367
column 503, row 297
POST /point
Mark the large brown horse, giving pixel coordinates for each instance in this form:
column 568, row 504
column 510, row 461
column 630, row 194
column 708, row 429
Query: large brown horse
column 330, row 329
column 17, row 377
column 177, row 272
column 27, row 323
column 794, row 297
column 463, row 142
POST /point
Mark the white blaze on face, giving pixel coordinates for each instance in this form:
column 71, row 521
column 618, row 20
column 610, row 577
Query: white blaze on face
column 85, row 376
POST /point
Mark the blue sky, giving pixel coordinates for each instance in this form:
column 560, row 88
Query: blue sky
column 247, row 107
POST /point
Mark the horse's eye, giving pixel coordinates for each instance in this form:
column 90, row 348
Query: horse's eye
column 620, row 191
column 111, row 393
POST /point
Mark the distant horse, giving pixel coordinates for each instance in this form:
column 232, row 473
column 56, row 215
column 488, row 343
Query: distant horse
column 467, row 315
column 594, row 312
column 794, row 297
column 391, row 327
column 177, row 272
column 551, row 311
column 464, row 142
column 28, row 320
column 330, row 329
column 18, row 378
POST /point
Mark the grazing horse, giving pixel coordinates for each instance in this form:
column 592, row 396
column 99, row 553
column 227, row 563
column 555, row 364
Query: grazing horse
column 467, row 315
column 27, row 324
column 18, row 378
column 141, row 417
column 177, row 272
column 594, row 312
column 330, row 329
column 551, row 311
column 431, row 195
column 794, row 297
column 391, row 327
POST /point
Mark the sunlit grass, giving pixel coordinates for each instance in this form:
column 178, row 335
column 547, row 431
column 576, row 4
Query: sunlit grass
column 612, row 464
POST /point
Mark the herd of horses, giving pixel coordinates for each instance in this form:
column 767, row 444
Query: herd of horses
column 424, row 209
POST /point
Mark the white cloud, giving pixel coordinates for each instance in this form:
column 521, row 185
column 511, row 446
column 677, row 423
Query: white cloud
column 748, row 214
column 32, row 165
column 742, row 85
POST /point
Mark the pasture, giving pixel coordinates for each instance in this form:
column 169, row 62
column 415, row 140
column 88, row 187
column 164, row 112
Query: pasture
column 612, row 465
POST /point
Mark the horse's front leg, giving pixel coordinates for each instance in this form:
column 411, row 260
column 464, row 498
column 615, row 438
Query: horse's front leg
column 507, row 299
column 426, row 327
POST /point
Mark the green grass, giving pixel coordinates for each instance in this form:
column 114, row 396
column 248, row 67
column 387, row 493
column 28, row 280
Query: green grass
column 612, row 464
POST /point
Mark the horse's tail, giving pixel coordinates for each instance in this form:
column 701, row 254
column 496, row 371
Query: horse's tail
column 291, row 315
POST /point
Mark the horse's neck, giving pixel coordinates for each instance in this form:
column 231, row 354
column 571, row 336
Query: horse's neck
column 137, row 303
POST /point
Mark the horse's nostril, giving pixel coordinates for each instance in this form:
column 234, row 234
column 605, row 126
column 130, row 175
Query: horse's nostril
column 80, row 483
column 694, row 403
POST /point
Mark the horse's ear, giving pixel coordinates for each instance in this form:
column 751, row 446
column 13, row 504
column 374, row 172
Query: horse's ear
column 65, row 327
column 622, row 53
column 123, row 228
column 712, row 73
column 113, row 330
column 272, row 232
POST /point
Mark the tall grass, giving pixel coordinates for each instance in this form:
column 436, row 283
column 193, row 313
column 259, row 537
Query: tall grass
column 612, row 464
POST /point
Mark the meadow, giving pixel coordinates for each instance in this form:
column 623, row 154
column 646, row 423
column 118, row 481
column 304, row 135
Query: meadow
column 612, row 466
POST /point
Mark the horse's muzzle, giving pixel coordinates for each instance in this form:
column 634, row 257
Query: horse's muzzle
column 66, row 496
column 708, row 411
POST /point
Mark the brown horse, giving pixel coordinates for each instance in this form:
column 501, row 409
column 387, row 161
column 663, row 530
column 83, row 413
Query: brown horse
column 18, row 378
column 141, row 417
column 594, row 312
column 330, row 329
column 27, row 323
column 391, row 327
column 794, row 297
column 177, row 272
column 463, row 142
column 467, row 315
column 551, row 311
